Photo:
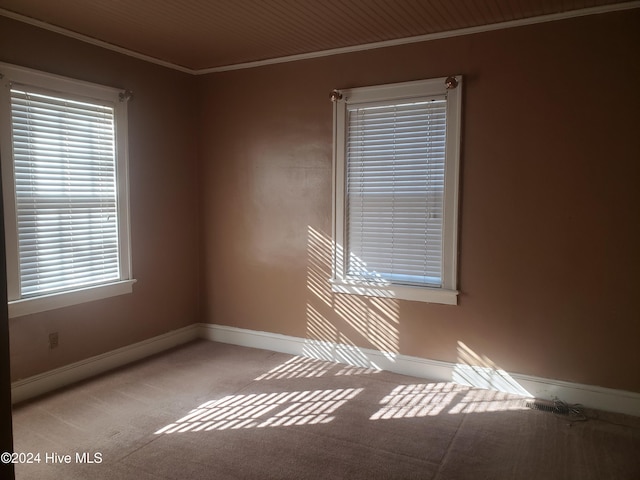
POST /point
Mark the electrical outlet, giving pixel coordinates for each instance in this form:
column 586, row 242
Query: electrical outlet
column 53, row 340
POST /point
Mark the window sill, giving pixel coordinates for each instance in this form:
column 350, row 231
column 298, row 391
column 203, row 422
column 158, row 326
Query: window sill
column 403, row 292
column 27, row 306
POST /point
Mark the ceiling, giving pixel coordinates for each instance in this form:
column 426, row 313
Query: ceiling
column 210, row 35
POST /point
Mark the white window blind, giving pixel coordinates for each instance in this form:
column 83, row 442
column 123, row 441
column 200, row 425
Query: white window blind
column 395, row 172
column 396, row 180
column 65, row 192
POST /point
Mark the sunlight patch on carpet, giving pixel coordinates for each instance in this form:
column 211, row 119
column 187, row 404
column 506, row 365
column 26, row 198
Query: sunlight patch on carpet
column 303, row 367
column 263, row 410
column 297, row 367
column 421, row 400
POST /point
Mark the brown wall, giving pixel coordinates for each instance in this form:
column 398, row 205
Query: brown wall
column 550, row 201
column 163, row 167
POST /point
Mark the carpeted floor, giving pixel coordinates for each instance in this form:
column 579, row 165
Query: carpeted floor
column 216, row 411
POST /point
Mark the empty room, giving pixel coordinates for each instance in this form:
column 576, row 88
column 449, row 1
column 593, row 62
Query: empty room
column 298, row 239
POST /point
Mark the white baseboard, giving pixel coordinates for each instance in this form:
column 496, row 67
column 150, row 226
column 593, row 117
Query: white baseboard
column 589, row 396
column 75, row 372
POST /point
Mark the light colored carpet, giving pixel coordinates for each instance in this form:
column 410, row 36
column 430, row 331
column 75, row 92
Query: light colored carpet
column 216, row 411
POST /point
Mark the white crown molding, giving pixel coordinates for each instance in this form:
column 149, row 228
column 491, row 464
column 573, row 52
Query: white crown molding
column 429, row 37
column 336, row 51
column 93, row 41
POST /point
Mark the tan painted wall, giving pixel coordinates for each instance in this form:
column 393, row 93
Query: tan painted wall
column 550, row 201
column 164, row 206
column 548, row 252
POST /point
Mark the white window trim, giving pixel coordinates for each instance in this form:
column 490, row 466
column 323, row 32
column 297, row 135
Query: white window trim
column 43, row 303
column 70, row 88
column 448, row 293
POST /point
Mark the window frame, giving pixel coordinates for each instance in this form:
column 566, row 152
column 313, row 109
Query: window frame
column 403, row 92
column 73, row 90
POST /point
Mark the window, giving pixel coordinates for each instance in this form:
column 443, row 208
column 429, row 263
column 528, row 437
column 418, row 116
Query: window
column 396, row 163
column 64, row 173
